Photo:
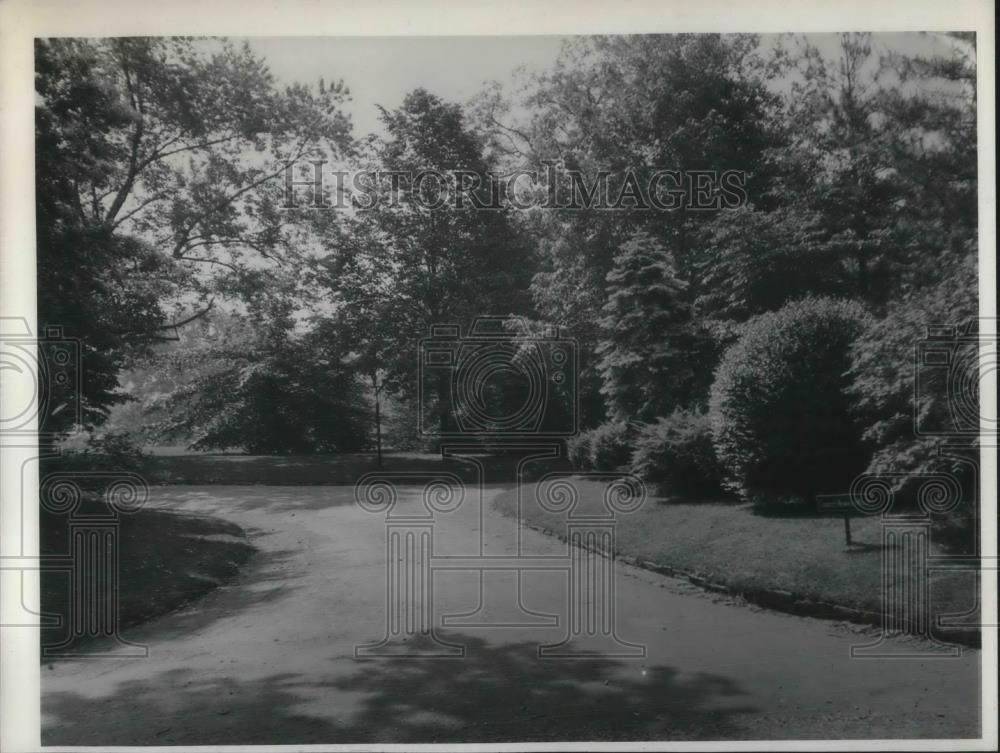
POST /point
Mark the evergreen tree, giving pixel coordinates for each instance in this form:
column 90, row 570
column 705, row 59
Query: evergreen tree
column 634, row 105
column 647, row 335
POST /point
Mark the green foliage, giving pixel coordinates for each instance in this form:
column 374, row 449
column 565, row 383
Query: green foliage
column 155, row 190
column 683, row 101
column 79, row 287
column 607, row 447
column 401, row 427
column 642, row 103
column 266, row 392
column 780, row 409
column 158, row 205
column 883, row 149
column 578, row 451
column 97, row 450
column 753, row 262
column 646, row 364
column 611, row 445
column 675, row 454
column 887, row 360
column 398, row 268
column 885, row 363
column 569, row 289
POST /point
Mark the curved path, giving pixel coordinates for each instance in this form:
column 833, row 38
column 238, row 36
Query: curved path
column 270, row 658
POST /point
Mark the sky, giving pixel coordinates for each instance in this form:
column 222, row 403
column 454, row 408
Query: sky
column 382, row 70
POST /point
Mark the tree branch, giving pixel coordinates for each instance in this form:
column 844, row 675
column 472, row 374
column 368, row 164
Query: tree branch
column 185, row 237
column 155, row 197
column 174, row 325
column 193, row 317
column 208, row 261
column 135, row 141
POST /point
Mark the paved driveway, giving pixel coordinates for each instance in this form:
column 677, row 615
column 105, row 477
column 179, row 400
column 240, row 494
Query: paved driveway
column 270, row 658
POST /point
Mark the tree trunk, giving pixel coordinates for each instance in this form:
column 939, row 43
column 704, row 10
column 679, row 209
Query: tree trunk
column 444, row 405
column 378, row 422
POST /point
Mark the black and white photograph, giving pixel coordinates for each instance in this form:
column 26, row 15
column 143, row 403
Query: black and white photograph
column 628, row 381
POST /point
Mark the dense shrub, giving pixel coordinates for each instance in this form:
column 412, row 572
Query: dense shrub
column 889, row 372
column 278, row 395
column 611, row 446
column 675, row 454
column 606, row 448
column 95, row 452
column 781, row 415
column 578, row 451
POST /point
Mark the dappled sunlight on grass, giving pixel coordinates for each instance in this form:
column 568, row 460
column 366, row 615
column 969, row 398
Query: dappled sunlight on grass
column 731, row 545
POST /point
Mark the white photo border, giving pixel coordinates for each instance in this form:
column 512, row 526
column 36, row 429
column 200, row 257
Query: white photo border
column 23, row 20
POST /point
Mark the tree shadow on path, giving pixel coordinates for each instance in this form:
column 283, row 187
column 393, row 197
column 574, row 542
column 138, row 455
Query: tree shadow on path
column 498, row 692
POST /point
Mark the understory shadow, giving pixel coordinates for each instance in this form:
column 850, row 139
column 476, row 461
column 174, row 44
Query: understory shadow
column 496, row 693
column 860, row 547
column 791, row 510
column 156, row 602
column 293, row 500
column 336, row 470
column 271, row 498
column 166, row 560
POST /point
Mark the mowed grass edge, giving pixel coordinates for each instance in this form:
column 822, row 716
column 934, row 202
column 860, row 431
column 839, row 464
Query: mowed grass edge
column 167, row 560
column 733, row 546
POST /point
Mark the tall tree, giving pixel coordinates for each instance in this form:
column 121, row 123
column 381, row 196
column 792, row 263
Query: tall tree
column 416, row 258
column 645, row 353
column 156, row 171
column 261, row 382
column 634, row 105
column 884, row 151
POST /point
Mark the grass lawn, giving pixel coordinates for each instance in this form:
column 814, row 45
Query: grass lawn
column 734, row 546
column 314, row 470
column 169, row 559
column 311, row 470
column 166, row 560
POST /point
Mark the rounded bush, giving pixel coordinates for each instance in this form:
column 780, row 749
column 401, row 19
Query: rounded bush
column 606, row 448
column 578, row 451
column 780, row 410
column 675, row 454
column 610, row 446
